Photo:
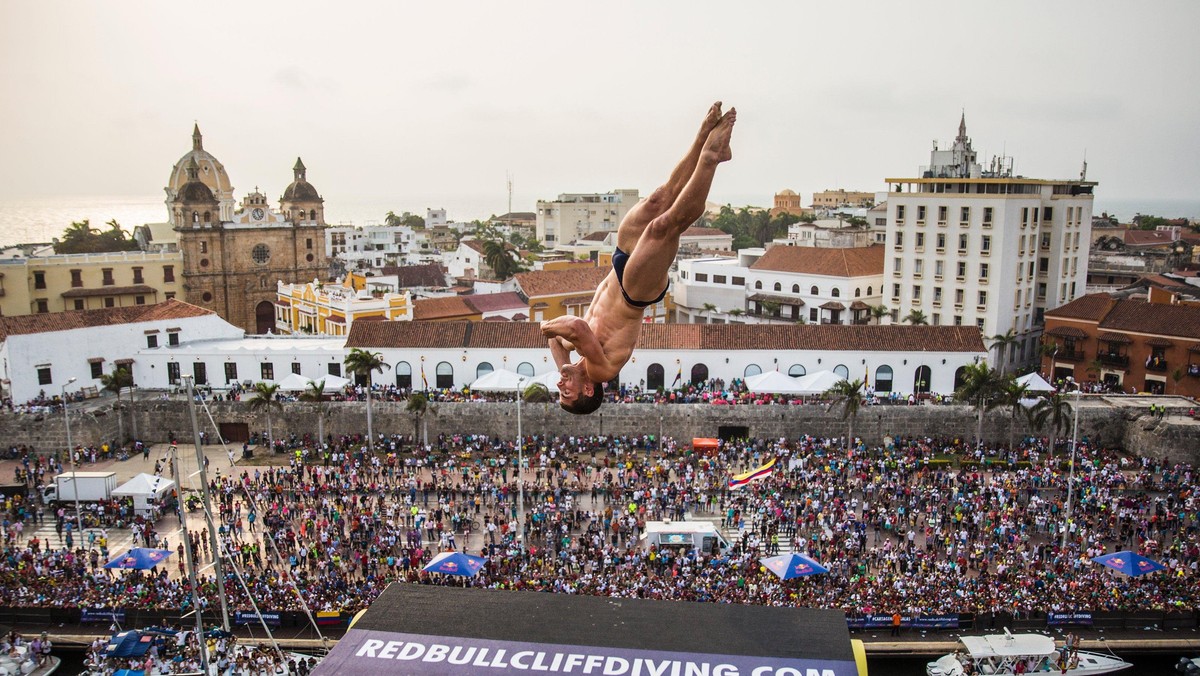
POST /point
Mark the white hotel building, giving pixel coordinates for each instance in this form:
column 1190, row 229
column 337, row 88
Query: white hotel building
column 574, row 215
column 973, row 246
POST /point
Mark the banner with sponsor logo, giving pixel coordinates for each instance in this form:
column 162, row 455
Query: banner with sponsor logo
column 1079, row 619
column 247, row 617
column 102, row 615
column 947, row 621
column 370, row 653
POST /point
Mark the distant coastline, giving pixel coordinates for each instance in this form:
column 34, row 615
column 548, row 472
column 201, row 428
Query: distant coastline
column 40, row 219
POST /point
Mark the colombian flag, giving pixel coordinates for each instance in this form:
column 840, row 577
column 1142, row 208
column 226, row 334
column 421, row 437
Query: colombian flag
column 759, row 474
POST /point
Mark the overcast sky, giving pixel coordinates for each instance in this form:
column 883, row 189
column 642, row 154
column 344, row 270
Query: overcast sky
column 411, row 102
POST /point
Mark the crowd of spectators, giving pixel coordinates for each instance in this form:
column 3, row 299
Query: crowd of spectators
column 920, row 525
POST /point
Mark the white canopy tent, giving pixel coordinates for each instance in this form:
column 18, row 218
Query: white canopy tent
column 147, row 490
column 818, row 382
column 501, row 380
column 293, row 382
column 332, row 382
column 549, row 379
column 774, row 382
column 1035, row 383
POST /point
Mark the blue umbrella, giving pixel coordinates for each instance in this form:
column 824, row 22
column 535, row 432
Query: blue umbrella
column 793, row 565
column 455, row 563
column 1130, row 563
column 139, row 558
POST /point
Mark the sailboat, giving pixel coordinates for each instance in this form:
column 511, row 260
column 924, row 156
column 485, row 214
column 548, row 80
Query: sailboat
column 201, row 652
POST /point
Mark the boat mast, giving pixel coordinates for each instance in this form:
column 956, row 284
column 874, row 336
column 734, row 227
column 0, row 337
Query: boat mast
column 212, row 531
column 189, row 559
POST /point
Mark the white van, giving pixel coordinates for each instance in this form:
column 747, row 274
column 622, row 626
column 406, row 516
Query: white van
column 686, row 536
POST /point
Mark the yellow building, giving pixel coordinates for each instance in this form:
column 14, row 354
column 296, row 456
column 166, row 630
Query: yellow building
column 59, row 283
column 330, row 309
column 832, row 199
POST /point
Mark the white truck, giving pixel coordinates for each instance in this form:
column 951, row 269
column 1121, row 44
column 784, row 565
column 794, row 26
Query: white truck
column 686, row 536
column 81, row 486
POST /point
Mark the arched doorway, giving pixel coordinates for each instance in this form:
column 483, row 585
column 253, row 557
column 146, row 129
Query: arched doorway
column 797, row 371
column 960, row 374
column 921, row 380
column 841, row 371
column 654, row 377
column 883, row 379
column 483, row 369
column 752, row 370
column 699, row 374
column 404, row 375
column 525, row 369
column 264, row 317
column 444, row 376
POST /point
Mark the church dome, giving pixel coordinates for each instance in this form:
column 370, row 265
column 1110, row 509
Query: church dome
column 210, row 171
column 300, row 189
column 194, row 191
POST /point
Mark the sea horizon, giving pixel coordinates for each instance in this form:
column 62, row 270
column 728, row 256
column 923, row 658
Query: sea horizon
column 25, row 220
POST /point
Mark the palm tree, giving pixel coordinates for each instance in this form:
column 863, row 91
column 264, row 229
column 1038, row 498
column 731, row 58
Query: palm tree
column 264, row 400
column 418, row 405
column 1056, row 410
column 499, row 256
column 848, row 395
column 1004, row 341
column 1095, row 367
column 980, row 386
column 537, row 393
column 1012, row 394
column 118, row 380
column 364, row 363
column 878, row 312
column 708, row 308
column 916, row 318
column 316, row 394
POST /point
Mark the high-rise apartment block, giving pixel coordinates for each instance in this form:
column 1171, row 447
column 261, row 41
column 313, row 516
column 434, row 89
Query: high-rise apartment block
column 973, row 245
column 572, row 216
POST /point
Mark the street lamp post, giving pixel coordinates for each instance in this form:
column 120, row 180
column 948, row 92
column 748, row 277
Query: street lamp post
column 1071, row 476
column 75, row 465
column 520, row 466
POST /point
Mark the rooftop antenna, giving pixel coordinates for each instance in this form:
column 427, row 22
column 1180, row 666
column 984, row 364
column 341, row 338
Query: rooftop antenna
column 1083, row 172
column 510, row 189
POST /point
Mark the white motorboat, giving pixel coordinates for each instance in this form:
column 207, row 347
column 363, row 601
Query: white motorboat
column 1009, row 654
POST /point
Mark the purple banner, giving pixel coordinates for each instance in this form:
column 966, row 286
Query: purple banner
column 371, row 653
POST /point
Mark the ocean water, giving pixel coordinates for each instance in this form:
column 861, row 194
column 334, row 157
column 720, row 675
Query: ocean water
column 41, row 219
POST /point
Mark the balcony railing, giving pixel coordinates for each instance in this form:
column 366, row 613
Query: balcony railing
column 1070, row 355
column 1121, row 360
column 1156, row 365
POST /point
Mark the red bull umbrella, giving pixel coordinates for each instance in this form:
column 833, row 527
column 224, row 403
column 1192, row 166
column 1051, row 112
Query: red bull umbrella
column 455, row 563
column 1130, row 563
column 139, row 558
column 793, row 565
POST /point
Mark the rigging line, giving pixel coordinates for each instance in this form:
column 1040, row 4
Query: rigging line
column 253, row 604
column 269, row 539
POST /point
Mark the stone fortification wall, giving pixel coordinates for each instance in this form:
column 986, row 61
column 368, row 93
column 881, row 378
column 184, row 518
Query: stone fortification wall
column 156, row 420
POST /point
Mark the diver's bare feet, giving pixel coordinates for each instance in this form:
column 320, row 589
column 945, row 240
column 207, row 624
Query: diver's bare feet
column 718, row 141
column 711, row 118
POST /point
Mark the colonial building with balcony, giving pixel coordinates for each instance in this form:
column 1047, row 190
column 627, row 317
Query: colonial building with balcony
column 1148, row 345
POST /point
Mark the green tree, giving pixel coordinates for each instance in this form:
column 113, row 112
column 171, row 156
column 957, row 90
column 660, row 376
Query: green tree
column 916, row 318
column 878, row 312
column 981, row 386
column 364, row 363
column 114, row 382
column 264, row 401
column 315, row 394
column 501, row 258
column 846, row 394
column 1012, row 396
column 81, row 237
column 418, row 405
column 1055, row 410
column 537, row 393
column 1003, row 344
column 406, row 219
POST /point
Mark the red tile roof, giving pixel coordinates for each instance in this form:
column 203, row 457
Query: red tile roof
column 698, row 231
column 1091, row 307
column 430, row 274
column 113, row 316
column 1132, row 316
column 854, row 262
column 442, row 308
column 507, row 335
column 573, row 281
column 1148, row 237
column 493, row 302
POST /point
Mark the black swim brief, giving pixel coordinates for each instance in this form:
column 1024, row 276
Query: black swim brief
column 619, row 259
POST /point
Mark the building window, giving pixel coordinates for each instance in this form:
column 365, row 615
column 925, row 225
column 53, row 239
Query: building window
column 987, row 215
column 739, row 281
column 267, row 371
column 152, row 341
column 173, row 338
column 916, row 293
column 230, row 372
column 958, row 296
column 985, row 243
column 39, row 279
column 778, row 286
column 173, row 372
column 900, row 213
column 813, row 291
column 200, row 373
column 942, row 214
column 335, row 369
column 110, row 302
column 97, row 369
column 169, row 295
column 107, row 277
column 964, row 214
column 444, row 375
column 404, row 375
column 883, row 379
column 920, row 214
column 483, row 369
column 296, row 367
column 139, row 300
column 719, row 279
column 78, row 304
column 137, row 276
column 920, row 241
column 895, row 291
column 983, row 270
column 941, row 242
column 308, row 243
column 813, row 315
column 982, row 298
column 899, row 240
column 43, row 306
column 961, row 270
column 44, row 376
column 962, row 244
column 76, row 279
column 203, row 246
column 701, row 276
column 168, row 273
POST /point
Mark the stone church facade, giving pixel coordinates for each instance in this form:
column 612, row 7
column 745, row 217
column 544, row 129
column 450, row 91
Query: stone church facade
column 234, row 254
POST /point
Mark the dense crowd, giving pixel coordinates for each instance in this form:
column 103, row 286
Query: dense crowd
column 921, row 525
